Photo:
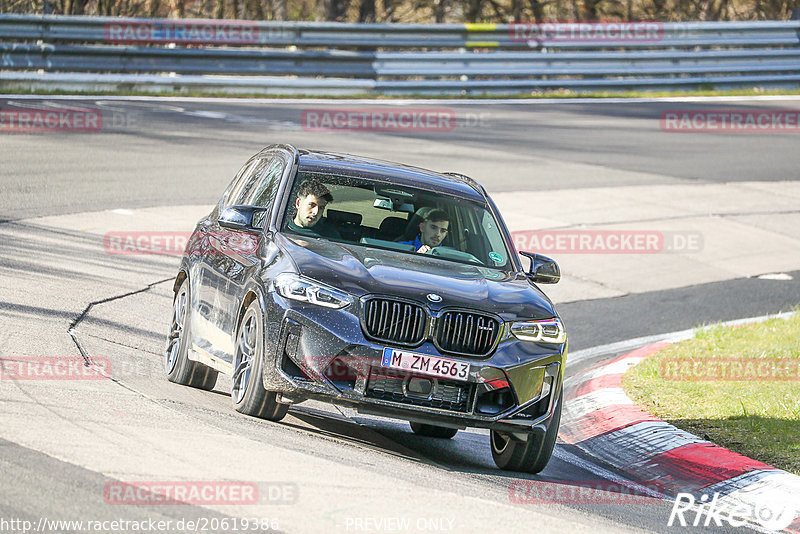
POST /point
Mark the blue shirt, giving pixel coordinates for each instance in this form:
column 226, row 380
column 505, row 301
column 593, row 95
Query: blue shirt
column 417, row 242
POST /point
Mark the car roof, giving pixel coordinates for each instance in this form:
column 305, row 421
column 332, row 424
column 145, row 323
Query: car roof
column 389, row 172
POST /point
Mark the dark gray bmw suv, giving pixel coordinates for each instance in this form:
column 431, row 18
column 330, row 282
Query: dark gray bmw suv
column 390, row 289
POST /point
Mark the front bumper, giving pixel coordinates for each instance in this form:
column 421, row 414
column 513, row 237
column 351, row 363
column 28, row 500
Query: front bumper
column 322, row 354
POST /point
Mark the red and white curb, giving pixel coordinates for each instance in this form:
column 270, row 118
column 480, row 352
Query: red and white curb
column 602, row 420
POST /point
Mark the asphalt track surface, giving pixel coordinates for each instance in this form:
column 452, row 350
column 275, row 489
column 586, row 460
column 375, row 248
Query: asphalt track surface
column 150, row 153
column 176, row 153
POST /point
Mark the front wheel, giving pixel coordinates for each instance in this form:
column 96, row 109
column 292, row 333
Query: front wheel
column 248, row 393
column 433, row 431
column 530, row 456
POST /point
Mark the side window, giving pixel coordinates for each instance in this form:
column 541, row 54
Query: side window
column 241, row 180
column 264, row 184
column 497, row 248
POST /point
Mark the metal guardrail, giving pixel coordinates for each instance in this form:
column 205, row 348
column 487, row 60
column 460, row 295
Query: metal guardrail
column 190, row 83
column 142, row 53
column 67, row 58
column 57, row 28
column 392, row 64
column 337, row 86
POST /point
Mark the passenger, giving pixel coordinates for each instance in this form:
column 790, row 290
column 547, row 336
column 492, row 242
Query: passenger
column 432, row 231
column 312, row 197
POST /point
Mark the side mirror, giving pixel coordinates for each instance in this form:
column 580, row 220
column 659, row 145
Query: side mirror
column 543, row 270
column 241, row 218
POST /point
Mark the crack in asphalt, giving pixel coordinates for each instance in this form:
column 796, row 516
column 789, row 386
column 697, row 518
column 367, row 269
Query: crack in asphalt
column 88, row 308
column 328, row 435
column 119, row 343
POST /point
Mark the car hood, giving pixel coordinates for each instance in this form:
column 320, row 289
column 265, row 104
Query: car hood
column 360, row 270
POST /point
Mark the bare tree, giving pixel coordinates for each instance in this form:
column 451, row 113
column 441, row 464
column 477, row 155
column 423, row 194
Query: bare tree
column 387, row 10
column 280, row 10
column 537, row 9
column 473, row 10
column 366, row 11
column 439, row 10
column 335, row 10
column 71, row 7
column 591, row 9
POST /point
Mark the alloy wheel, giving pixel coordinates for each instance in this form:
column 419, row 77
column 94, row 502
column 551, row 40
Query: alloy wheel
column 175, row 331
column 246, row 344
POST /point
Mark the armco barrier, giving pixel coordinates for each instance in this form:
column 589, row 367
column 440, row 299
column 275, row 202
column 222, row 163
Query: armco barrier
column 319, row 58
column 70, row 58
column 180, row 84
column 57, row 28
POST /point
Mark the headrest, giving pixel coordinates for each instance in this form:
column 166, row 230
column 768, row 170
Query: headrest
column 343, row 217
column 393, row 226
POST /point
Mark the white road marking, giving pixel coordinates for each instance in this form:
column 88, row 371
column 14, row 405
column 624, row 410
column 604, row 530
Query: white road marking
column 637, row 443
column 206, row 114
column 776, row 276
column 568, row 457
column 596, row 400
column 770, row 496
column 620, row 367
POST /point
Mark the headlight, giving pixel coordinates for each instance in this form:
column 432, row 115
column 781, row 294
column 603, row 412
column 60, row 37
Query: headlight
column 547, row 331
column 296, row 287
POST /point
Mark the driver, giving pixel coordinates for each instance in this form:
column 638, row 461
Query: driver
column 312, row 197
column 432, row 231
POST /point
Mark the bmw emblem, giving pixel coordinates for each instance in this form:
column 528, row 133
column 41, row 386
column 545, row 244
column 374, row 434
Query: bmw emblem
column 433, row 297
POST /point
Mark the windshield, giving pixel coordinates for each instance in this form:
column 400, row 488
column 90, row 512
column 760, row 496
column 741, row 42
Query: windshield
column 408, row 220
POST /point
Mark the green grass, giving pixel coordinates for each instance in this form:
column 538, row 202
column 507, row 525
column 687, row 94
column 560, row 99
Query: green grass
column 758, row 417
column 521, row 96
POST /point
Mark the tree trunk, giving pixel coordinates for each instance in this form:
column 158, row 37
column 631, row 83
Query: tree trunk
column 538, row 10
column 281, row 11
column 387, row 11
column 255, row 10
column 439, row 10
column 474, row 8
column 591, row 9
column 516, row 10
column 366, row 11
column 335, row 10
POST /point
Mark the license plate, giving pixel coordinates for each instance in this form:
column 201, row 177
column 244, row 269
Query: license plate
column 424, row 364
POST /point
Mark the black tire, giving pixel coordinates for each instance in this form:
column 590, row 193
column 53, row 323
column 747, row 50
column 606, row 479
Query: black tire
column 433, row 431
column 247, row 391
column 179, row 368
column 529, row 456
